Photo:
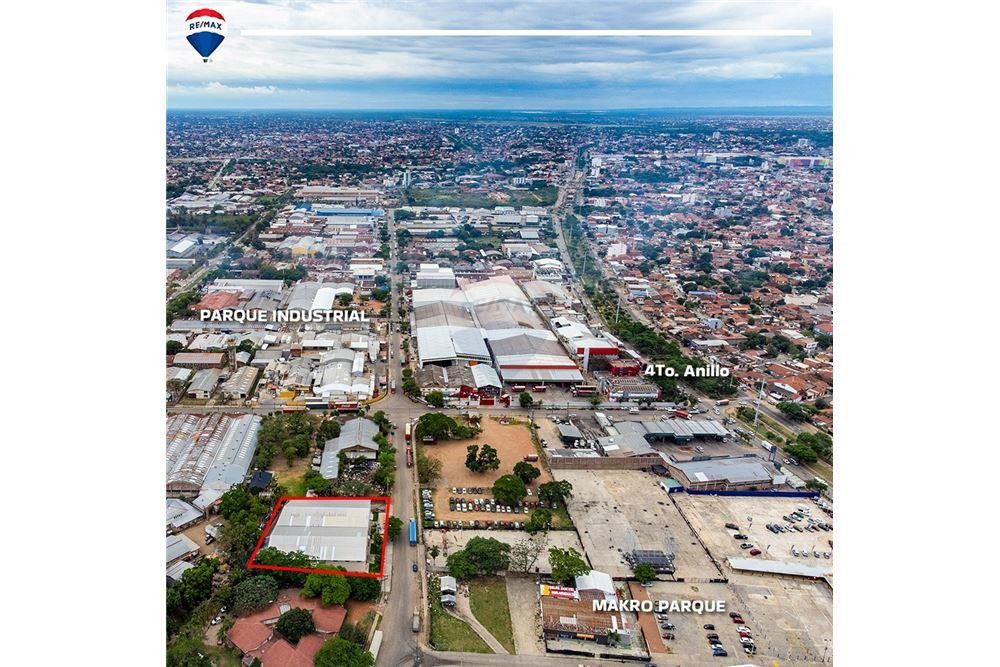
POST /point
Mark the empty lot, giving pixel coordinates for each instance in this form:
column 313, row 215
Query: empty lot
column 623, row 510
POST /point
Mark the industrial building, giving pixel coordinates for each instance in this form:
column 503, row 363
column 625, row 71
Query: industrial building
column 203, row 383
column 489, row 320
column 240, row 385
column 724, row 473
column 333, row 531
column 356, row 441
column 435, row 276
column 672, row 430
column 209, row 454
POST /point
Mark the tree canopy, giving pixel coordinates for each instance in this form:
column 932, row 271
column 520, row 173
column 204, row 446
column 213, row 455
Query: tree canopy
column 338, row 652
column 295, row 624
column 509, row 489
column 566, row 564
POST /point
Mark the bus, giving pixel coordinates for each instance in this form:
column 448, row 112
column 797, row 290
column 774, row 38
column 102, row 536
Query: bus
column 585, row 390
column 409, row 431
column 409, row 457
column 393, row 386
column 413, row 533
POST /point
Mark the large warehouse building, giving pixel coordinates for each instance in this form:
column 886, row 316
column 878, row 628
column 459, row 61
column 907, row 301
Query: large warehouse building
column 209, row 454
column 726, row 473
column 334, row 531
column 490, row 320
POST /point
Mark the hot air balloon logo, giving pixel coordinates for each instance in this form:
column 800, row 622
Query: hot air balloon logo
column 206, row 28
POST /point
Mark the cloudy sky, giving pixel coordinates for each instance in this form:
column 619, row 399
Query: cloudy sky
column 503, row 72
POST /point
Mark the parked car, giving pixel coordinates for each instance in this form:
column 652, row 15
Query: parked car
column 746, row 545
column 414, row 567
column 755, row 552
column 733, row 614
column 667, row 635
column 708, row 626
column 739, row 536
column 732, row 526
column 712, row 635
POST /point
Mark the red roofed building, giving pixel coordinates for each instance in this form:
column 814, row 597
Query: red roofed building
column 254, row 635
column 218, row 301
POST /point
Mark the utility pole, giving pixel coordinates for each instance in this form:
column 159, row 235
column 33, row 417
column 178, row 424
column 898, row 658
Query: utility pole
column 760, row 397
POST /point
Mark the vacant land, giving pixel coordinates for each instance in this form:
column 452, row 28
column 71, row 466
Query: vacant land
column 488, row 599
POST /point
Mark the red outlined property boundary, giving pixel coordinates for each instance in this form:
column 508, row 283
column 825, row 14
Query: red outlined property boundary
column 318, row 570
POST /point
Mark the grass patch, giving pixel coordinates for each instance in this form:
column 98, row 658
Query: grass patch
column 561, row 519
column 447, row 632
column 488, row 599
column 296, row 486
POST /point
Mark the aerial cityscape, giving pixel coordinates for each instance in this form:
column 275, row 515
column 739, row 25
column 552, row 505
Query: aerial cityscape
column 482, row 384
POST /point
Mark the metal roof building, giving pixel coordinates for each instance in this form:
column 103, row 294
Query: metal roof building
column 723, row 473
column 180, row 514
column 209, row 452
column 779, row 567
column 673, row 429
column 180, row 546
column 357, row 433
column 327, row 530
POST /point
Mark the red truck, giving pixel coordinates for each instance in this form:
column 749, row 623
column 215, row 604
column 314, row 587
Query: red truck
column 409, row 457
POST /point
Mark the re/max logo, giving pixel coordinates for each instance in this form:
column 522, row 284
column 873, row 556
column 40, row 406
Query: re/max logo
column 201, row 25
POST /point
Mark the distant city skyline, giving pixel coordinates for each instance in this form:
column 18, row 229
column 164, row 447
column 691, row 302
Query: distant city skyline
column 504, row 73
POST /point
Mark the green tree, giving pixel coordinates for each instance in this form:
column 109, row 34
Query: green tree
column 509, row 490
column 481, row 556
column 525, row 399
column 428, row 468
column 295, row 624
column 566, row 564
column 330, row 588
column 435, row 399
column 481, row 459
column 595, row 400
column 526, row 472
column 555, row 491
column 254, row 594
column 364, row 588
column 460, row 567
column 540, row 519
column 174, row 346
column 395, row 527
column 339, row 652
column 644, row 572
column 434, row 551
column 188, row 652
column 813, row 484
column 796, row 411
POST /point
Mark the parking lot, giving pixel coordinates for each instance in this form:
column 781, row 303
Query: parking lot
column 709, row 514
column 512, row 441
column 795, row 616
column 620, row 511
column 690, row 643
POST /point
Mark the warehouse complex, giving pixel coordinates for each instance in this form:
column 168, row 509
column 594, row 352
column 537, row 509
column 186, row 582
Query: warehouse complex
column 489, row 321
column 208, row 454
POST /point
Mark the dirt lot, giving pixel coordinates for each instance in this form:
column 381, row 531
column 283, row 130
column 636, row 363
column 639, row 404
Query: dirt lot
column 623, row 510
column 525, row 614
column 709, row 514
column 197, row 534
column 512, row 442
